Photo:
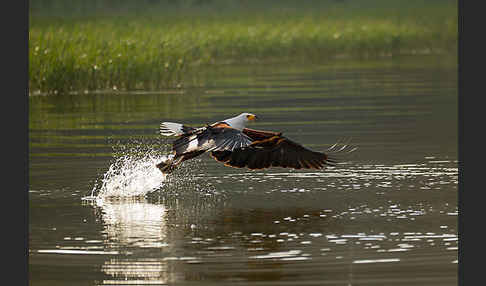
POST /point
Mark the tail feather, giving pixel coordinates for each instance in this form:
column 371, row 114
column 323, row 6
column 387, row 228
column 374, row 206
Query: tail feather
column 174, row 129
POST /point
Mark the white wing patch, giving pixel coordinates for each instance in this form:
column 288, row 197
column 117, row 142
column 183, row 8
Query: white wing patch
column 193, row 144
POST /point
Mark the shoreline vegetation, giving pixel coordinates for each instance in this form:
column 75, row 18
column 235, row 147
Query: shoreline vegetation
column 160, row 45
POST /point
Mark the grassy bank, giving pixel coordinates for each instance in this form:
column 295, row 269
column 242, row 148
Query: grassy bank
column 162, row 47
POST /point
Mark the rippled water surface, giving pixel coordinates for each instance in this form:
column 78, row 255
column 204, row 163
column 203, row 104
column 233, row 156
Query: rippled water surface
column 388, row 216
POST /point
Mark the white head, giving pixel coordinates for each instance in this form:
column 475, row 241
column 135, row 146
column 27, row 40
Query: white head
column 239, row 122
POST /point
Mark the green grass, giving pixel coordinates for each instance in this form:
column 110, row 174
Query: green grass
column 165, row 48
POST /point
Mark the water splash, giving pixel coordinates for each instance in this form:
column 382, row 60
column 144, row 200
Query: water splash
column 133, row 173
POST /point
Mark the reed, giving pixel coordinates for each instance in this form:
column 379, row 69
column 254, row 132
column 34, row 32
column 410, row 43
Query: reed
column 160, row 49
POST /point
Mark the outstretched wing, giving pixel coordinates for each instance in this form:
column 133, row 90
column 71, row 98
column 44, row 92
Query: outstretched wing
column 272, row 150
column 217, row 137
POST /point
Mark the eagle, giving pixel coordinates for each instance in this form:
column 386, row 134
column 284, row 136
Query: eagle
column 230, row 142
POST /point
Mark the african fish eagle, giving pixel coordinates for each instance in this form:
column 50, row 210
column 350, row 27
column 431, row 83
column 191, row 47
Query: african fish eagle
column 230, row 142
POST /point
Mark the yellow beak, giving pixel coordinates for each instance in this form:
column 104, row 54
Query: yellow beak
column 251, row 117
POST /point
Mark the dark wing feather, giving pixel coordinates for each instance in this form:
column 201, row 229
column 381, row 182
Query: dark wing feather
column 275, row 151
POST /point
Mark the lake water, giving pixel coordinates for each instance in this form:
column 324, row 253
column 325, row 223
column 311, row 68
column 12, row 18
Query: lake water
column 387, row 216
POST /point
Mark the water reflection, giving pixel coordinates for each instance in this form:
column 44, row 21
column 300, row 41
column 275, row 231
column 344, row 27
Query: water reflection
column 130, row 224
column 135, row 272
column 133, row 223
column 150, row 235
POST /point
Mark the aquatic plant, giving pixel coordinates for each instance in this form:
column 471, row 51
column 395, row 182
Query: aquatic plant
column 159, row 50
